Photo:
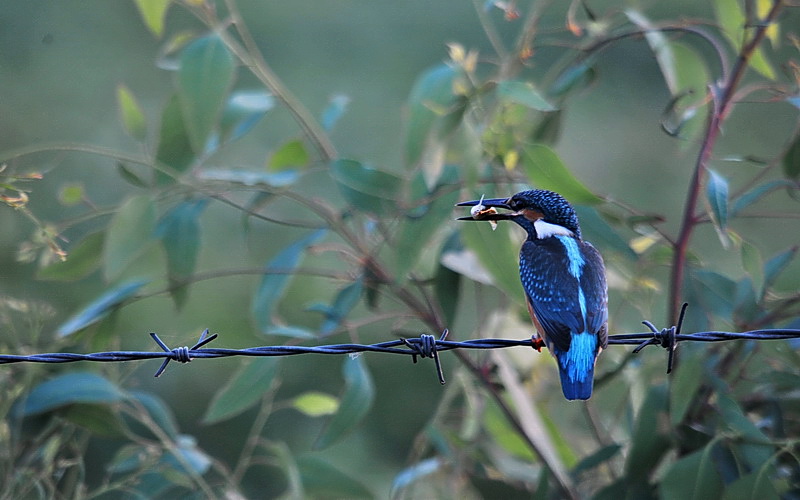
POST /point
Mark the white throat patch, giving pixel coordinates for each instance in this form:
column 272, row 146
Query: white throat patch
column 546, row 230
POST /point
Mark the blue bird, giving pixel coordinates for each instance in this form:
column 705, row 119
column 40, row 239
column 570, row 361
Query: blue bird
column 564, row 281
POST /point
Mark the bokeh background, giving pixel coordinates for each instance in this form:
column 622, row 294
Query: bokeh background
column 60, row 64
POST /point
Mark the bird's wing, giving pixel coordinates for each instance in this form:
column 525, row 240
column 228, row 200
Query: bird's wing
column 593, row 282
column 551, row 291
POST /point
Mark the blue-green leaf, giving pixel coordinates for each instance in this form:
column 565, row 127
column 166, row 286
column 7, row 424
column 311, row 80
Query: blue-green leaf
column 159, row 412
column 244, row 389
column 242, row 111
column 523, row 93
column 717, row 196
column 100, row 307
column 356, row 401
column 68, row 389
column 277, row 274
column 179, row 231
column 336, row 108
column 250, row 178
column 545, row 170
column 714, row 292
column 345, row 301
column 129, row 234
column 206, row 73
column 430, row 98
column 774, row 266
column 755, row 194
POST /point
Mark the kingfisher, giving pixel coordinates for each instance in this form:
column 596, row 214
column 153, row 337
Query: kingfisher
column 564, row 281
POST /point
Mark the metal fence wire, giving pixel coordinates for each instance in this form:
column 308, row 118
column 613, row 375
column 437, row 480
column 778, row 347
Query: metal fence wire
column 424, row 346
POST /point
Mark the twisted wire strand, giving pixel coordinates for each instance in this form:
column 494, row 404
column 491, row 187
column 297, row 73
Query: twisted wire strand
column 425, row 346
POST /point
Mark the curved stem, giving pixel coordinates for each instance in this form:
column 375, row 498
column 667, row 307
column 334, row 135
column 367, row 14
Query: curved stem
column 722, row 103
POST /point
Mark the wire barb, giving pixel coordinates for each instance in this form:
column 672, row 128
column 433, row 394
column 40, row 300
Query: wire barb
column 426, row 347
column 666, row 338
column 180, row 354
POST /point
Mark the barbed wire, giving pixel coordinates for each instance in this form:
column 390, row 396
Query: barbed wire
column 424, row 346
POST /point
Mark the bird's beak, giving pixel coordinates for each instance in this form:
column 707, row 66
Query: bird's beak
column 486, row 209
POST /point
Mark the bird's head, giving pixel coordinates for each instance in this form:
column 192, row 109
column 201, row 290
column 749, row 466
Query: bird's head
column 540, row 212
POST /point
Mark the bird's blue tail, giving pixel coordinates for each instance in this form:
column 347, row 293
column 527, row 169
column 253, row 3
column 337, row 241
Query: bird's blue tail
column 576, row 366
column 580, row 388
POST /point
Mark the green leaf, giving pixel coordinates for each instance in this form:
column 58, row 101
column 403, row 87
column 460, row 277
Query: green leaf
column 732, row 20
column 791, row 160
column 131, row 177
column 498, row 253
column 714, row 292
column 81, row 260
column 595, row 229
column 336, row 108
column 504, row 436
column 316, row 404
column 447, row 283
column 693, row 477
column 366, row 188
column 753, row 486
column 71, row 194
column 131, row 113
column 153, row 13
column 242, row 112
column 717, row 196
column 685, row 74
column 523, row 93
column 753, row 265
column 321, row 480
column 129, row 233
column 422, row 224
column 243, row 390
column 277, row 274
column 649, row 441
column 356, row 401
column 545, row 170
column 292, row 154
column 179, row 232
column 431, row 97
column 174, row 148
column 100, row 307
column 101, row 420
column 597, row 458
column 68, row 389
column 684, row 384
column 205, row 76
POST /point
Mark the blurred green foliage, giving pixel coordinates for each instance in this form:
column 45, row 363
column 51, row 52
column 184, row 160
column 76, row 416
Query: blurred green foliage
column 287, row 173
